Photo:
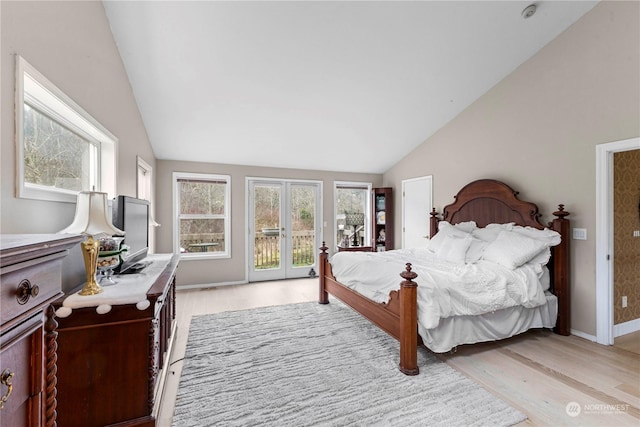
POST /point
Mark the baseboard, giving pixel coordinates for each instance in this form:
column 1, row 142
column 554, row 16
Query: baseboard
column 626, row 327
column 208, row 285
column 583, row 335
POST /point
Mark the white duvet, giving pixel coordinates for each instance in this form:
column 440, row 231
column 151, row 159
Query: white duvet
column 445, row 288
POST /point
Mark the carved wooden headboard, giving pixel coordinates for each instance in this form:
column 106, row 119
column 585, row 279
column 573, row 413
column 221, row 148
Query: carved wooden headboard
column 488, row 201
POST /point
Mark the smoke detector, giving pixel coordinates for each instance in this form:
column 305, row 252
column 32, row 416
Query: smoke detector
column 529, row 11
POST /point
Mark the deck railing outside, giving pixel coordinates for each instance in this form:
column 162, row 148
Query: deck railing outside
column 266, row 253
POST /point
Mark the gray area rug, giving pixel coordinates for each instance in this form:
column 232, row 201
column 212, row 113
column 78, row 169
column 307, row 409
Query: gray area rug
column 309, row 364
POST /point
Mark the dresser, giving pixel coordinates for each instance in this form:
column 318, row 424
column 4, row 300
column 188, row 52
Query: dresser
column 30, row 280
column 113, row 357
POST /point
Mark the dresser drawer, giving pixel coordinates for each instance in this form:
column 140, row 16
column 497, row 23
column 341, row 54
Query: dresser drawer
column 21, row 366
column 26, row 285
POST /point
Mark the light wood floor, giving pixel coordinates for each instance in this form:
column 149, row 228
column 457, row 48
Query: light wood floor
column 539, row 373
column 630, row 342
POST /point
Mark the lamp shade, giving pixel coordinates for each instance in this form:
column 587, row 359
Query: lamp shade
column 91, row 216
column 354, row 219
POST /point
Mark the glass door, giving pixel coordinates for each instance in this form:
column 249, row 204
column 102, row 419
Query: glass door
column 284, row 229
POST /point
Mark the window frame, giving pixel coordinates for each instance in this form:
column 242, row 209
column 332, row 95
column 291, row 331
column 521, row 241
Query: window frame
column 41, row 94
column 177, row 176
column 144, row 190
column 368, row 186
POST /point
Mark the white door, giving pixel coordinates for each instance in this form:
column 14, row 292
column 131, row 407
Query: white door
column 284, row 229
column 417, row 203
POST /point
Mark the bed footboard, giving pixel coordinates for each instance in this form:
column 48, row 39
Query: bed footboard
column 398, row 318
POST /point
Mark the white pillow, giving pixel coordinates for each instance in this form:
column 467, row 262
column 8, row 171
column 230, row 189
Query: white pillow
column 444, row 229
column 467, row 226
column 552, row 238
column 491, row 231
column 454, row 249
column 512, row 249
column 475, row 251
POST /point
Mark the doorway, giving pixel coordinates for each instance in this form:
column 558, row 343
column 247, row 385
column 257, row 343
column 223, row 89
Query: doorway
column 604, row 238
column 417, row 202
column 284, row 232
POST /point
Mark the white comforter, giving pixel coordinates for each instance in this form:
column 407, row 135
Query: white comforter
column 445, row 289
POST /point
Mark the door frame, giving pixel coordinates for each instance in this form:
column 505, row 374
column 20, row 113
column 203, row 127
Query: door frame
column 604, row 236
column 248, row 215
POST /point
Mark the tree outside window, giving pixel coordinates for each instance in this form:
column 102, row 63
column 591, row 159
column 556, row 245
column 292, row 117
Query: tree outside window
column 203, row 219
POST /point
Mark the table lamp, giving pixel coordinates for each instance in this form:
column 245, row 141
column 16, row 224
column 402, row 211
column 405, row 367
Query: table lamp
column 355, row 220
column 91, row 220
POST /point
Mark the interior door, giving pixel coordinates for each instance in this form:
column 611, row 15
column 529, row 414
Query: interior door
column 284, row 229
column 416, row 206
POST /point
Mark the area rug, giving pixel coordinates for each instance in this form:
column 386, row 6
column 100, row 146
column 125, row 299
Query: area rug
column 318, row 365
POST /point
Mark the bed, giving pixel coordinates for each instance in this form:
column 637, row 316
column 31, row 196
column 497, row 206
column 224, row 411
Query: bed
column 480, row 208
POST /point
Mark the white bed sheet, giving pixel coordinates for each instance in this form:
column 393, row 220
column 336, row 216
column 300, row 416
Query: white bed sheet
column 453, row 297
column 458, row 330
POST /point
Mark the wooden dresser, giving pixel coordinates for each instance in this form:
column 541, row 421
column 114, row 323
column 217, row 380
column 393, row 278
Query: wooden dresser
column 30, row 280
column 111, row 366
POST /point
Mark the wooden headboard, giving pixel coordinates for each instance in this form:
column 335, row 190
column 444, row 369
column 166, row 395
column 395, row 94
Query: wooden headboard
column 488, row 201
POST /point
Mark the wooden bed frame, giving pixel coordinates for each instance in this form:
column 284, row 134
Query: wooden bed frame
column 484, row 201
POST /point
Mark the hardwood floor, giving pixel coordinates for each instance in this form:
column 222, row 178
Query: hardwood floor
column 629, row 342
column 555, row 380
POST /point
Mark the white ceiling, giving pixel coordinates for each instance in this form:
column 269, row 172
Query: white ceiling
column 343, row 86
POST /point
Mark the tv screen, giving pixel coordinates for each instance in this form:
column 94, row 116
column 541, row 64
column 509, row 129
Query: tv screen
column 131, row 215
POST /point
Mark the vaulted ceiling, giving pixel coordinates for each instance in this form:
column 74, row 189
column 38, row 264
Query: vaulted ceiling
column 332, row 85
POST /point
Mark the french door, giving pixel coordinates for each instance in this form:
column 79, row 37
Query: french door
column 283, row 228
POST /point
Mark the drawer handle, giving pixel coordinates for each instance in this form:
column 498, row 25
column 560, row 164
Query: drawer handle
column 26, row 291
column 6, row 378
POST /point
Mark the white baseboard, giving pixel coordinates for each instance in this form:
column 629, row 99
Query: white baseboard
column 208, row 285
column 583, row 335
column 626, row 328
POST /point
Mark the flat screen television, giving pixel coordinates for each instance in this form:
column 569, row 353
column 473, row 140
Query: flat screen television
column 131, row 215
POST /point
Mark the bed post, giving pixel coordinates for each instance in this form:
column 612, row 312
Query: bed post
column 324, row 296
column 561, row 277
column 433, row 221
column 409, row 323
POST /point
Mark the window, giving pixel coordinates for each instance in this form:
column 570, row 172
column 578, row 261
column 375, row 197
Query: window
column 203, row 215
column 352, row 198
column 61, row 149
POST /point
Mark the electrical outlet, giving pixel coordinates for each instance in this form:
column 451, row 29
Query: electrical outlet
column 636, row 233
column 624, row 301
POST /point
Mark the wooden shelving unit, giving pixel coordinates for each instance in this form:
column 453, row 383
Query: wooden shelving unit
column 382, row 219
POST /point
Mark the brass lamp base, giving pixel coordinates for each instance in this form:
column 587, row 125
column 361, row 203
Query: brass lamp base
column 90, row 249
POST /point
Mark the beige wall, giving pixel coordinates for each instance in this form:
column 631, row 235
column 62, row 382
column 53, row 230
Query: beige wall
column 205, row 272
column 72, row 45
column 538, row 128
